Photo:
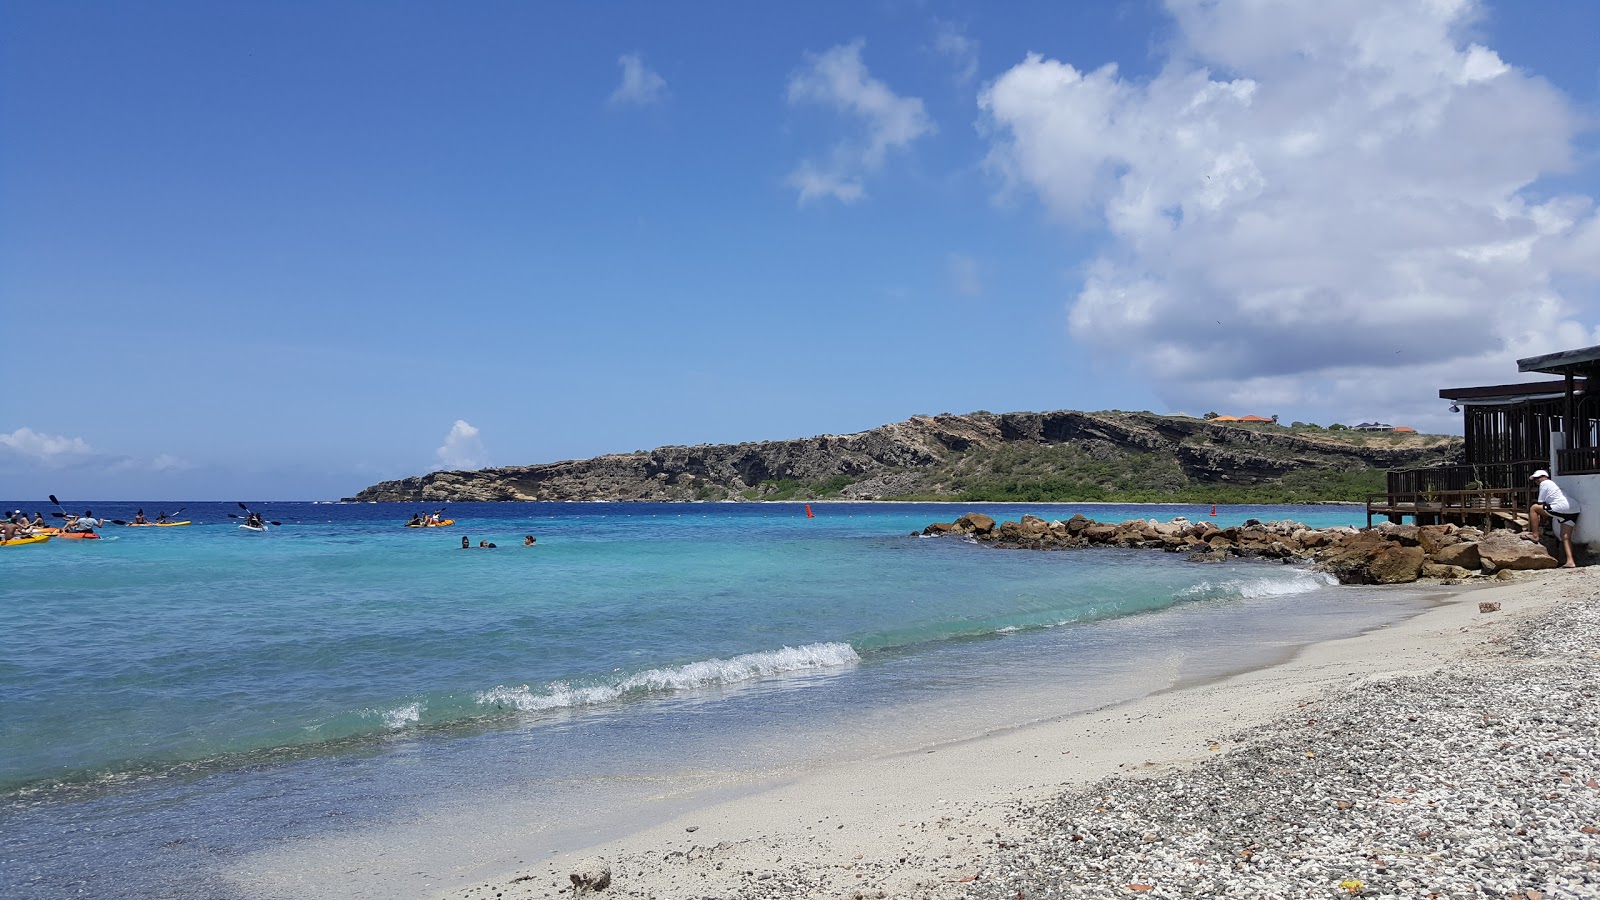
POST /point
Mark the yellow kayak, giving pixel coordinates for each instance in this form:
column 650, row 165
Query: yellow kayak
column 30, row 539
column 439, row 524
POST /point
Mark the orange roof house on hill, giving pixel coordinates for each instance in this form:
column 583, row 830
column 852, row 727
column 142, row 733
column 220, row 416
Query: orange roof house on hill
column 1249, row 420
column 1404, row 429
column 1255, row 419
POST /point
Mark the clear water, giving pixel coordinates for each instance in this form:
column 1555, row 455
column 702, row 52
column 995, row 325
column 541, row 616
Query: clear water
column 177, row 701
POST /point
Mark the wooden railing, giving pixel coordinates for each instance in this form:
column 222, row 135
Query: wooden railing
column 1578, row 461
column 1490, row 507
column 1470, row 477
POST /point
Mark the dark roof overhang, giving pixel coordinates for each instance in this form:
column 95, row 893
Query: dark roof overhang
column 1567, row 362
column 1510, row 393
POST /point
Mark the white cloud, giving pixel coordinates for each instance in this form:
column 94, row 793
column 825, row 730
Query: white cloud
column 1324, row 208
column 47, row 449
column 462, row 448
column 840, row 80
column 640, row 86
column 964, row 276
column 962, row 51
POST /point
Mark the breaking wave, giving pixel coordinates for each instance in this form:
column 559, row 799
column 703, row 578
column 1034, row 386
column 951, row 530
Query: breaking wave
column 691, row 676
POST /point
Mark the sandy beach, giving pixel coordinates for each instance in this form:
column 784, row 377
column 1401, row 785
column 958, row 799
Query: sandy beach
column 1106, row 804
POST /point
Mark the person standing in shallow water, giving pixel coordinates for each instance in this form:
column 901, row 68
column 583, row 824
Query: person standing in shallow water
column 529, row 540
column 465, row 544
column 1554, row 505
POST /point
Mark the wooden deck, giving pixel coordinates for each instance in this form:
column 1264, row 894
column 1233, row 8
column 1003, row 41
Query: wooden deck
column 1484, row 507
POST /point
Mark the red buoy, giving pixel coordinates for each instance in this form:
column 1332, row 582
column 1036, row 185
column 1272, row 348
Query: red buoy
column 808, row 512
column 1213, row 509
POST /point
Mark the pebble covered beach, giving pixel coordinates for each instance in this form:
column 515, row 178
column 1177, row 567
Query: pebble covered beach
column 1478, row 780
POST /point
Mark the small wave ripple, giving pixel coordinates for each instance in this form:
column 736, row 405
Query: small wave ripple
column 702, row 674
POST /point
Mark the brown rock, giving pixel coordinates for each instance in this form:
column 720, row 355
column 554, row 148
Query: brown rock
column 977, row 523
column 939, row 528
column 1444, row 572
column 1349, row 559
column 1488, row 607
column 1503, row 550
column 1464, row 554
column 1434, row 538
column 1078, row 523
column 1099, row 534
column 1033, row 527
column 1405, row 535
column 1396, row 565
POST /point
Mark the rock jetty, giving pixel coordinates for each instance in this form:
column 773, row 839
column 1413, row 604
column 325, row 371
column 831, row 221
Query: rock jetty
column 1382, row 554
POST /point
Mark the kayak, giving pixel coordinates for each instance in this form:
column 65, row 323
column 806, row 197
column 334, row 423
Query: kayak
column 30, row 539
column 439, row 524
column 254, row 527
column 156, row 524
column 77, row 535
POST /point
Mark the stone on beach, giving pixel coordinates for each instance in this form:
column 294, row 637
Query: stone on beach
column 590, row 876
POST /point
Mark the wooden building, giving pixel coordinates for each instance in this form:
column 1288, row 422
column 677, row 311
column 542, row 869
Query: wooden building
column 1511, row 431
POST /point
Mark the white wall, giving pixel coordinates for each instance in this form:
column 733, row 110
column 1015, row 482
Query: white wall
column 1584, row 490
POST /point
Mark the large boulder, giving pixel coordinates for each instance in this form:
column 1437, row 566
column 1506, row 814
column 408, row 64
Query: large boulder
column 1434, row 538
column 1396, row 565
column 1348, row 559
column 1444, row 573
column 1033, row 526
column 1508, row 551
column 1464, row 554
column 975, row 523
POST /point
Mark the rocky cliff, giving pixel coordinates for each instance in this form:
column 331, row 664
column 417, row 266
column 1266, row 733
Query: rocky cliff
column 1090, row 455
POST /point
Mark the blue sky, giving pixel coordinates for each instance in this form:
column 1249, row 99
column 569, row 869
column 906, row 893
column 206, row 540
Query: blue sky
column 283, row 251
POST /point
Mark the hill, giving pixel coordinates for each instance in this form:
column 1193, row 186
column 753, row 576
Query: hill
column 1032, row 457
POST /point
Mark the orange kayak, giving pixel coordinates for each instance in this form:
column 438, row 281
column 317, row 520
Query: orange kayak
column 79, row 535
column 440, row 524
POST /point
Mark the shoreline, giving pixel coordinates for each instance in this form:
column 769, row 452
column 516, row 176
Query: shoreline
column 934, row 821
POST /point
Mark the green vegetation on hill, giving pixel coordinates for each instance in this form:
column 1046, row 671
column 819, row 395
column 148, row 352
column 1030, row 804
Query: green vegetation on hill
column 1061, row 455
column 1076, row 472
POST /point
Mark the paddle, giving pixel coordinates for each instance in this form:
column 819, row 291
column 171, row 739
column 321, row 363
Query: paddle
column 162, row 517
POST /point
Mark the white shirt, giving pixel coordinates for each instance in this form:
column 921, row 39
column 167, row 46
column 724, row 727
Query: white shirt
column 1553, row 499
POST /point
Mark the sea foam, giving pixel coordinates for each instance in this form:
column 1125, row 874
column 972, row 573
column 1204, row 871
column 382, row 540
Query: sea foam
column 691, row 676
column 1250, row 588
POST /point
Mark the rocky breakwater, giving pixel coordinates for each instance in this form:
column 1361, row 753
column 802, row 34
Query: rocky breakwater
column 1382, row 554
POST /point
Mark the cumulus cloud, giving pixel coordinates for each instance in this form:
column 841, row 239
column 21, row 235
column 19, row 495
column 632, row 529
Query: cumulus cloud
column 46, row 449
column 462, row 448
column 838, row 79
column 1325, row 209
column 640, row 86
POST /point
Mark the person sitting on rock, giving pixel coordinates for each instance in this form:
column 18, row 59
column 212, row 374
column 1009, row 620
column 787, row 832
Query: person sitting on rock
column 1553, row 504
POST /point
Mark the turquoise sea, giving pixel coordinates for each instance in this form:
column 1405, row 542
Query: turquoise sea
column 211, row 712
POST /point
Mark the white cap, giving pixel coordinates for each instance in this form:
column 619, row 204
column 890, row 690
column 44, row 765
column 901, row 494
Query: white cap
column 1539, row 474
